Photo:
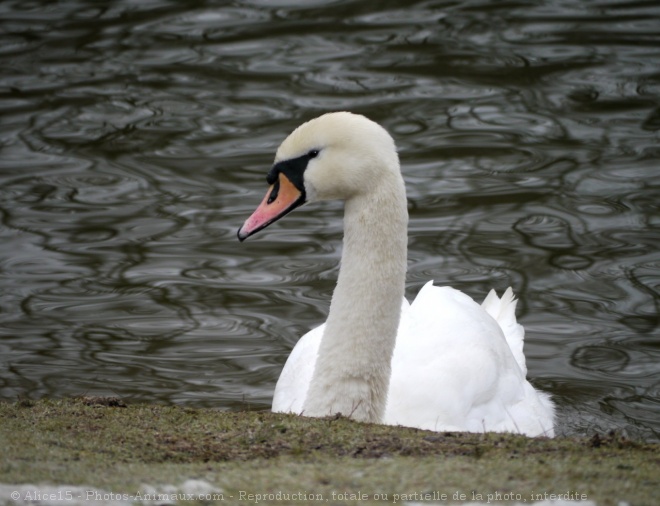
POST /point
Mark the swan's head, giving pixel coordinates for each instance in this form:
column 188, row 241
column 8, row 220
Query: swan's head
column 339, row 155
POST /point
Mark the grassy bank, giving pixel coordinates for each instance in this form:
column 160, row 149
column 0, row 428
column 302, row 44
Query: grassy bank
column 104, row 443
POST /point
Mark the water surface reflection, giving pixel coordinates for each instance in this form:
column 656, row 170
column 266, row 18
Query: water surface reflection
column 135, row 139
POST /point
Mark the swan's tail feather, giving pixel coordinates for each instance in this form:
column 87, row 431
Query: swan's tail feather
column 503, row 310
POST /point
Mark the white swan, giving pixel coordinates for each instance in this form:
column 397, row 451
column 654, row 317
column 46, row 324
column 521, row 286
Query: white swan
column 442, row 363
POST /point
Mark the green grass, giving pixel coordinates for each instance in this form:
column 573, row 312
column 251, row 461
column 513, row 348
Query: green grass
column 104, row 443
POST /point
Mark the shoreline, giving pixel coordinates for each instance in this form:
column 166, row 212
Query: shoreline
column 103, row 444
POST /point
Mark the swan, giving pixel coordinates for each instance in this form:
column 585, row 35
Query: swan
column 442, row 363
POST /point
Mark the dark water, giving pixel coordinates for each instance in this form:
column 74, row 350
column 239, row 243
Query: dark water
column 135, row 137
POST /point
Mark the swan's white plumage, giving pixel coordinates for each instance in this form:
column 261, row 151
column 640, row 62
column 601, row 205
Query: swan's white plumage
column 465, row 378
column 443, row 362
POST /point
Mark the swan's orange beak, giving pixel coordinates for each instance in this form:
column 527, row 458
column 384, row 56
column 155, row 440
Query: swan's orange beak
column 281, row 198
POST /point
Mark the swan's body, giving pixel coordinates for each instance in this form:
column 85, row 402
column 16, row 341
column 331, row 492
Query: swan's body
column 442, row 363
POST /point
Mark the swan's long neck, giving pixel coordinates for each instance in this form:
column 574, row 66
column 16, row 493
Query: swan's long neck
column 353, row 367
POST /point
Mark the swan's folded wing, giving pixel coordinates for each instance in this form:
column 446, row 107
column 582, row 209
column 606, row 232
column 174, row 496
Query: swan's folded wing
column 503, row 310
column 291, row 388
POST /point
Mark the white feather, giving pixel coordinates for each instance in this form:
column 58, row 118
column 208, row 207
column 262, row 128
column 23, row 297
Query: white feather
column 442, row 363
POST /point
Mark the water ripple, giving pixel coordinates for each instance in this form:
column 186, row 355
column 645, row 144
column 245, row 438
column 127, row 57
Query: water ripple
column 135, row 140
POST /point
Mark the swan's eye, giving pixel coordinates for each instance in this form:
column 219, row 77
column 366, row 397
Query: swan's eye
column 313, row 153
